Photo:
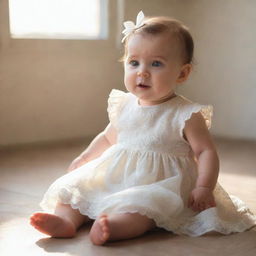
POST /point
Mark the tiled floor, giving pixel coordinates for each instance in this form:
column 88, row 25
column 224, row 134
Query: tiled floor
column 26, row 172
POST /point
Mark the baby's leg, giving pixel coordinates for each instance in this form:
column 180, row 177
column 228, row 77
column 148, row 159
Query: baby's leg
column 63, row 223
column 119, row 226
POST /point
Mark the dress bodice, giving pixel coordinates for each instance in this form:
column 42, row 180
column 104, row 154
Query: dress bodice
column 157, row 128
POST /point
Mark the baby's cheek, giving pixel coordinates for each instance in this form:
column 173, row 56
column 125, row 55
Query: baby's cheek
column 129, row 82
column 129, row 76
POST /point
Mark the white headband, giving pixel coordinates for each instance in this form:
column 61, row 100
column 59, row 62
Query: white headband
column 130, row 26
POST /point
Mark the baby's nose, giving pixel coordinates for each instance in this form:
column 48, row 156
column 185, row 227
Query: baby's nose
column 143, row 74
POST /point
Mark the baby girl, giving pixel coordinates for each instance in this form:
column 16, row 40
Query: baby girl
column 155, row 164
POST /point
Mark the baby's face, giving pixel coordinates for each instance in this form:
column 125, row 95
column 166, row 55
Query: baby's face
column 152, row 67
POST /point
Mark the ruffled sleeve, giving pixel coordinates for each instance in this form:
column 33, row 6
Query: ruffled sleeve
column 116, row 101
column 188, row 110
column 205, row 110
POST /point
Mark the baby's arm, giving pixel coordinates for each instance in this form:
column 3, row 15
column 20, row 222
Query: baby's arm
column 99, row 144
column 200, row 140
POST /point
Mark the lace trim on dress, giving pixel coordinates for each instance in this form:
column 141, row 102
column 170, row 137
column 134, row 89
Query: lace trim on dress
column 69, row 195
column 208, row 221
column 115, row 103
column 207, row 111
column 202, row 223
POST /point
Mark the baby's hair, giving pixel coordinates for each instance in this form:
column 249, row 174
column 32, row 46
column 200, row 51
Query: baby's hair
column 158, row 25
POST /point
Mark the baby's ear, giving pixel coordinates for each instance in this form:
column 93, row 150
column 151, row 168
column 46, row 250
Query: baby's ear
column 184, row 73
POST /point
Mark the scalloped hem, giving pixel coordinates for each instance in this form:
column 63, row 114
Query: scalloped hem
column 222, row 227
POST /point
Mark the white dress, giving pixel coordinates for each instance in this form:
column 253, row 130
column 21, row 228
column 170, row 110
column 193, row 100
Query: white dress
column 151, row 170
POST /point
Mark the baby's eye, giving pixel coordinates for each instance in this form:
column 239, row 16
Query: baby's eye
column 134, row 63
column 156, row 63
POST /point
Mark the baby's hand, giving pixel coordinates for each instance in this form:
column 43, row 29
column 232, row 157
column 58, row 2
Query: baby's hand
column 79, row 161
column 201, row 198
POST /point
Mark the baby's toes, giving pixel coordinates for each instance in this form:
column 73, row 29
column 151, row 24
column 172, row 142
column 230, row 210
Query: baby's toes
column 34, row 219
column 104, row 227
column 100, row 233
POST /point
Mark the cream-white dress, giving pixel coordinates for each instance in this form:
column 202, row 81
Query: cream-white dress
column 151, row 170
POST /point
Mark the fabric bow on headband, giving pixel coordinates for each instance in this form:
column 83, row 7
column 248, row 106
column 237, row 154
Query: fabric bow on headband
column 130, row 26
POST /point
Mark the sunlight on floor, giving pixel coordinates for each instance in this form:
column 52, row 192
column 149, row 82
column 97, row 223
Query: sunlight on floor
column 17, row 238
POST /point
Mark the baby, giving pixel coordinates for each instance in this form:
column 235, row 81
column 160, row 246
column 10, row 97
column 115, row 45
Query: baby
column 155, row 164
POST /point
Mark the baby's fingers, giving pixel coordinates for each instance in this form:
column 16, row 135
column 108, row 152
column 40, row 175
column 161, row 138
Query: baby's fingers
column 212, row 203
column 195, row 206
column 202, row 207
column 192, row 204
column 191, row 201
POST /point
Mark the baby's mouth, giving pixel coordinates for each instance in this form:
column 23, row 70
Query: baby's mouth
column 144, row 86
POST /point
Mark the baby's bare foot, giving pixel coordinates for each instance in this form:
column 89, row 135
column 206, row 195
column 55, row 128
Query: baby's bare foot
column 100, row 233
column 52, row 225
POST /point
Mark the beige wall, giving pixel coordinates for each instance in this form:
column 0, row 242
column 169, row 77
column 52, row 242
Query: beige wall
column 225, row 76
column 57, row 89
